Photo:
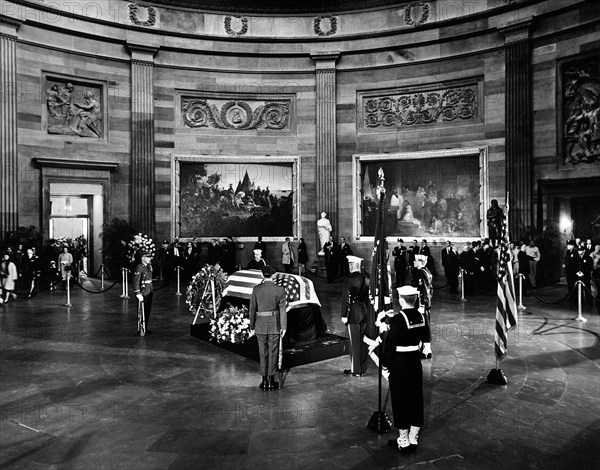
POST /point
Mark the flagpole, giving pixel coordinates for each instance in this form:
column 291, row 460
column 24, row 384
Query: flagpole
column 380, row 422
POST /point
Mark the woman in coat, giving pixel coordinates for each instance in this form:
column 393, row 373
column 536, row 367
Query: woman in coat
column 8, row 272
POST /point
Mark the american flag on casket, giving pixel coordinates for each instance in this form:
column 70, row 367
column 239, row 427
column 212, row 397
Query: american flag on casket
column 299, row 290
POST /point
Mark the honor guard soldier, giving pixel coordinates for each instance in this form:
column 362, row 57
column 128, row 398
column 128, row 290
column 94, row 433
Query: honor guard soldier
column 422, row 280
column 401, row 356
column 354, row 314
column 399, row 255
column 268, row 318
column 142, row 285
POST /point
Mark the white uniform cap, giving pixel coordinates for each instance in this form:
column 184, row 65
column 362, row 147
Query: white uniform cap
column 421, row 258
column 354, row 259
column 258, row 252
column 405, row 291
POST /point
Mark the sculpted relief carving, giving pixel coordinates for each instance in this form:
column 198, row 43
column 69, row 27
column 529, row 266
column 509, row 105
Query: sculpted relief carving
column 74, row 109
column 399, row 110
column 235, row 114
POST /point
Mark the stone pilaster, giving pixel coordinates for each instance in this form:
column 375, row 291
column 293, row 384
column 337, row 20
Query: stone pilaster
column 9, row 203
column 326, row 165
column 519, row 128
column 142, row 138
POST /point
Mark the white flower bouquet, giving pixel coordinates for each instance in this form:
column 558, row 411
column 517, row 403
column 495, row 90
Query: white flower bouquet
column 231, row 325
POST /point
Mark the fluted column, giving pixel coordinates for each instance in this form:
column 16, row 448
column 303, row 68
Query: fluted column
column 326, row 167
column 142, row 138
column 9, row 203
column 519, row 128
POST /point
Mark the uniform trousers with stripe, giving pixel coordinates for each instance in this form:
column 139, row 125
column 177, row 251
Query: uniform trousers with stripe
column 148, row 306
column 406, row 389
column 359, row 351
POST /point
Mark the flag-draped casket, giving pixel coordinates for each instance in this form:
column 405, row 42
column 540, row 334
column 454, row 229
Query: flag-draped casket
column 305, row 321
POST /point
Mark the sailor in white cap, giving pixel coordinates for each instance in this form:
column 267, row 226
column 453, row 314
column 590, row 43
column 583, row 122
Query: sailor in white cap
column 401, row 356
column 423, row 281
column 355, row 295
column 257, row 262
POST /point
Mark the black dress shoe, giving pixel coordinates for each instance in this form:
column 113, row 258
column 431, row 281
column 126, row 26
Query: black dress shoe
column 347, row 371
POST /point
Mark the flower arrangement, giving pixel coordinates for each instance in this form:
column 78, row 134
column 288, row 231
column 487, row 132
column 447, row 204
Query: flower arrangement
column 199, row 293
column 138, row 244
column 231, row 325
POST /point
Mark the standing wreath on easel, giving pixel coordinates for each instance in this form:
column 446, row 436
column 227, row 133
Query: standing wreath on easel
column 199, row 293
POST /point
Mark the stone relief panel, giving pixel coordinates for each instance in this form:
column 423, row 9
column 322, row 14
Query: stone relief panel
column 326, row 25
column 74, row 108
column 580, row 110
column 236, row 26
column 400, row 109
column 416, row 14
column 235, row 114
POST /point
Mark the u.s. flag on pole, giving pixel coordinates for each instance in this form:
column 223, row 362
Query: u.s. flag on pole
column 299, row 290
column 506, row 306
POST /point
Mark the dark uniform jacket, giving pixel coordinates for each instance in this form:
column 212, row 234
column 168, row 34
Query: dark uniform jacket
column 399, row 255
column 355, row 298
column 407, row 328
column 268, row 297
column 253, row 264
column 142, row 279
column 423, row 282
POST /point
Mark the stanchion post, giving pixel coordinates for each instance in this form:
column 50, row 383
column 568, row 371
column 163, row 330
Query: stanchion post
column 102, row 277
column 126, row 283
column 579, row 316
column 521, row 306
column 462, row 285
column 68, row 304
column 125, row 294
column 214, row 299
column 178, row 269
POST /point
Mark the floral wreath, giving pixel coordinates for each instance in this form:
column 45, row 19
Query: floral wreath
column 133, row 15
column 317, row 25
column 140, row 243
column 199, row 291
column 231, row 32
column 231, row 325
column 408, row 18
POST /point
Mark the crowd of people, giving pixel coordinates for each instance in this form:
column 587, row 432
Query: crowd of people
column 24, row 271
column 479, row 262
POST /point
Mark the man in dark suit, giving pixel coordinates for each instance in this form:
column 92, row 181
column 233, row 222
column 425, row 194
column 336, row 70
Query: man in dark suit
column 399, row 255
column 268, row 318
column 571, row 266
column 451, row 266
column 343, row 250
column 412, row 250
column 331, row 265
column 355, row 295
column 524, row 266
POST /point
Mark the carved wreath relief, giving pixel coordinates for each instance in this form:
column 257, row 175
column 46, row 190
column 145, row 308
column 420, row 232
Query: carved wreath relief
column 74, row 109
column 235, row 114
column 409, row 109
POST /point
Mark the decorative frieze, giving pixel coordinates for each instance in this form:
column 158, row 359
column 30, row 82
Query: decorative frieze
column 401, row 109
column 235, row 114
column 243, row 25
column 142, row 15
column 326, row 25
column 74, row 108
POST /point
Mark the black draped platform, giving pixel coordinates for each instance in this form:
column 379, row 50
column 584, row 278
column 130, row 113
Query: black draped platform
column 306, row 340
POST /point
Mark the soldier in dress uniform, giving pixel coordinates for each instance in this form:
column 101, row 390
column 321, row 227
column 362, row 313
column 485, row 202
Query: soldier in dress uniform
column 142, row 285
column 423, row 281
column 399, row 255
column 355, row 295
column 268, row 318
column 406, row 332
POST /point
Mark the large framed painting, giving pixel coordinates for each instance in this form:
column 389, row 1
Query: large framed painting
column 579, row 110
column 235, row 196
column 438, row 194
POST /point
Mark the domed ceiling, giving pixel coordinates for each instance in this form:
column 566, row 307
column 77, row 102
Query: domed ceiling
column 278, row 7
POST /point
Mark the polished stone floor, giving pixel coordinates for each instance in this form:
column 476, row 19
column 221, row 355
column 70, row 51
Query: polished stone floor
column 80, row 391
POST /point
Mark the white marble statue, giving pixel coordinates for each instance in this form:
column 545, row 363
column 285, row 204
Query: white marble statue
column 324, row 227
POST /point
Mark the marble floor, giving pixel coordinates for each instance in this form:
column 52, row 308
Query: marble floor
column 79, row 390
